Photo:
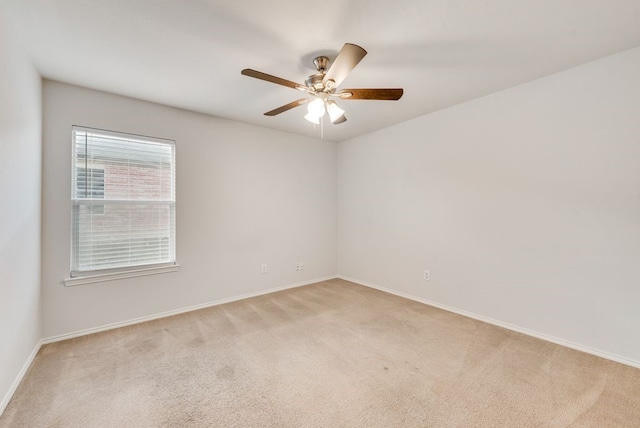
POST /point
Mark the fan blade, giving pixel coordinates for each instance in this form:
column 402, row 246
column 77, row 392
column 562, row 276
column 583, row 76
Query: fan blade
column 341, row 119
column 273, row 79
column 348, row 57
column 371, row 94
column 286, row 107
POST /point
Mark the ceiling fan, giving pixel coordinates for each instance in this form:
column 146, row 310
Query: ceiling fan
column 323, row 86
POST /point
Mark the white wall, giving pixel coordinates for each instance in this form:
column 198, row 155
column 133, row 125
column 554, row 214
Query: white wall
column 524, row 205
column 245, row 196
column 20, row 157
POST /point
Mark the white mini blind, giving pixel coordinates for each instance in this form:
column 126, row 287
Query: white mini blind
column 123, row 201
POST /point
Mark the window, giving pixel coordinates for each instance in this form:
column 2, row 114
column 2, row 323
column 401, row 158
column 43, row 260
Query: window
column 123, row 197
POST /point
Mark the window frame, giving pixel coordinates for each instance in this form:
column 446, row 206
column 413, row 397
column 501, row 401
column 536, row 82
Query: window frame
column 77, row 277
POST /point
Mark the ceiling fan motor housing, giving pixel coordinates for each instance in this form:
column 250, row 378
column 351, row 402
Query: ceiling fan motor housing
column 315, row 81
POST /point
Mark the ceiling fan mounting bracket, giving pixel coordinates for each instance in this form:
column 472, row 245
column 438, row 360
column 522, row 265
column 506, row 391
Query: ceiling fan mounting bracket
column 321, row 63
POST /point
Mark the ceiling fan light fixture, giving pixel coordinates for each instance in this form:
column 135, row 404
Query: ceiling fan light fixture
column 334, row 111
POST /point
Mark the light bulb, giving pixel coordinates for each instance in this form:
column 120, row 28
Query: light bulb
column 316, row 108
column 334, row 111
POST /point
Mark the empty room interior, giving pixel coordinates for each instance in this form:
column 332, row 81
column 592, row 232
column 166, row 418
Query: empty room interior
column 320, row 214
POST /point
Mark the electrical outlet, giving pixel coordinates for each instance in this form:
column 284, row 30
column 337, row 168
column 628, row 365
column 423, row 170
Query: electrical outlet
column 263, row 268
column 426, row 275
column 299, row 266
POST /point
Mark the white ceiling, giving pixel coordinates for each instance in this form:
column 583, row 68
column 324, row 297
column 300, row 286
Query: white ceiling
column 189, row 53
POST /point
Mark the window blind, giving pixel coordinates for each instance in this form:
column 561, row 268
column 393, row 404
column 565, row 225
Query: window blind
column 123, row 199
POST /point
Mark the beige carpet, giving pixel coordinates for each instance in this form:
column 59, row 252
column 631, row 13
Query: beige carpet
column 332, row 354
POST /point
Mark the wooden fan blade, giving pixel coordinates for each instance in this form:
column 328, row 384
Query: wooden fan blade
column 273, row 79
column 348, row 57
column 341, row 119
column 286, row 107
column 371, row 94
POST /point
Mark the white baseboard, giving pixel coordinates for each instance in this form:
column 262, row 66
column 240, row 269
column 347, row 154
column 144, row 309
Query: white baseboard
column 16, row 382
column 139, row 320
column 32, row 356
column 552, row 339
column 562, row 342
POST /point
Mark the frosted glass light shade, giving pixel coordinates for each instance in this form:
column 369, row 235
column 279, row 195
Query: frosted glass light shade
column 334, row 111
column 316, row 108
column 313, row 119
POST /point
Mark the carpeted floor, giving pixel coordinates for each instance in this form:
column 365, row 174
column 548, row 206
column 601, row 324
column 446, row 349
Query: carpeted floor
column 332, row 354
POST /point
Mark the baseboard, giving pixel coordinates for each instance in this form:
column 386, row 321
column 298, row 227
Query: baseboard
column 7, row 397
column 32, row 356
column 139, row 320
column 552, row 339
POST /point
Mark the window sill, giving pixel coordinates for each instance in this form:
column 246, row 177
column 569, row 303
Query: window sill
column 91, row 279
